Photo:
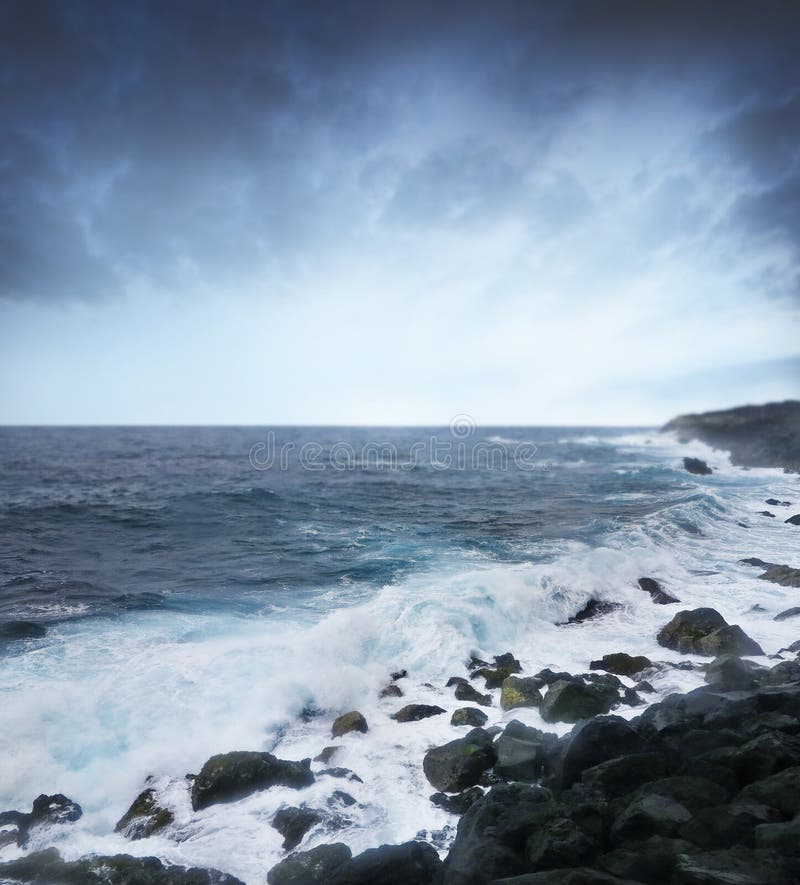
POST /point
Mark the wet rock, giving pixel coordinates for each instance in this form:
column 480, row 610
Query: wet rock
column 326, row 755
column 783, row 838
column 460, row 802
column 474, row 663
column 293, row 823
column 347, row 722
column 596, row 741
column 494, row 678
column 231, row 776
column 731, row 673
column 412, row 863
column 594, row 608
column 704, row 631
column 491, row 835
column 649, row 815
column 456, row 680
column 318, row 866
column 342, row 773
column 144, row 818
column 621, row 664
column 519, row 691
column 657, row 593
column 766, row 513
column 644, row 686
column 617, row 777
column 391, row 691
column 572, row 701
column 415, row 712
column 743, row 866
column 693, row 793
column 793, row 520
column 651, row 861
column 47, row 868
column 780, row 791
column 459, row 764
column 697, row 466
column 56, row 809
column 788, row 613
column 781, row 574
column 465, row 692
column 525, row 753
column 559, row 843
column 780, row 674
column 723, row 826
column 398, row 674
column 469, row 716
column 339, row 797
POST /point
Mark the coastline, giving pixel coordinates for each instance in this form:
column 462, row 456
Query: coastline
column 713, row 705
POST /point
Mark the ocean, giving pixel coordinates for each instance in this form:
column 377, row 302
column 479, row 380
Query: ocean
column 211, row 589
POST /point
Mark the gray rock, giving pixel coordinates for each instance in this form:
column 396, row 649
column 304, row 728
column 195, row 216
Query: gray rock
column 525, row 753
column 730, row 673
column 657, row 593
column 315, row 867
column 697, row 466
column 459, row 764
column 469, row 716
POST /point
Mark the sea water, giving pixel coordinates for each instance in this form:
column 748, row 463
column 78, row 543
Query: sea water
column 214, row 589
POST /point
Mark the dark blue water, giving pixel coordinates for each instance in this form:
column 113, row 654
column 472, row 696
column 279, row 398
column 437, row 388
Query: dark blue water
column 97, row 521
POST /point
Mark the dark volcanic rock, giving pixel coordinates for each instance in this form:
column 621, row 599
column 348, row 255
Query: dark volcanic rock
column 596, row 741
column 742, row 866
column 617, row 777
column 766, row 513
column 788, row 613
column 47, row 868
column 525, row 753
column 731, row 673
column 697, row 466
column 144, row 818
column 520, row 691
column 465, row 692
column 315, row 867
column 658, row 595
column 704, row 631
column 494, row 677
column 572, row 701
column 469, row 716
column 231, row 776
column 781, row 791
column 723, row 826
column 46, row 811
column 594, row 608
column 459, row 764
column 756, row 436
column 781, row 574
column 391, row 691
column 458, row 803
column 347, row 722
column 649, row 815
column 415, row 712
column 412, row 863
column 793, row 520
column 293, row 823
column 559, row 843
column 490, row 842
column 622, row 664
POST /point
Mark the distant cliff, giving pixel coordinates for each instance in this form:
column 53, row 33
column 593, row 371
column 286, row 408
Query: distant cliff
column 756, row 436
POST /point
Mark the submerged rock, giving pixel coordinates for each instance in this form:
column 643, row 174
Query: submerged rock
column 293, row 823
column 459, row 764
column 657, row 593
column 415, row 712
column 697, row 466
column 704, row 631
column 144, row 818
column 594, row 608
column 231, row 776
column 347, row 722
column 15, row 630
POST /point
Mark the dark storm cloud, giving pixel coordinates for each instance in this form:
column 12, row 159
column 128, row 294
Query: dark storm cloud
column 196, row 140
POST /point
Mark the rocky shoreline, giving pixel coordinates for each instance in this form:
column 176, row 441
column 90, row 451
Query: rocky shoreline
column 701, row 787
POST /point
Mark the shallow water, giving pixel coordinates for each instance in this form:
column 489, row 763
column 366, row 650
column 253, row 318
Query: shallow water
column 197, row 603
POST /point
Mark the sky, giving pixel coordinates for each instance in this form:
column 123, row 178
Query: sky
column 392, row 213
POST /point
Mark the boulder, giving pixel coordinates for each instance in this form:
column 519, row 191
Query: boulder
column 621, row 664
column 572, row 701
column 412, row 863
column 595, row 741
column 620, row 776
column 47, row 868
column 315, row 867
column 657, row 594
column 465, row 692
column 793, row 520
column 783, row 838
column 594, row 608
column 347, row 722
column 739, row 865
column 651, row 861
column 559, row 843
column 697, row 466
column 144, row 818
column 391, row 691
column 293, row 823
column 520, row 691
column 469, row 716
column 730, row 673
column 460, row 802
column 693, row 793
column 723, row 826
column 704, row 631
column 780, row 791
column 525, row 753
column 784, row 575
column 231, row 776
column 415, row 712
column 766, row 513
column 491, row 835
column 494, row 677
column 649, row 815
column 459, row 764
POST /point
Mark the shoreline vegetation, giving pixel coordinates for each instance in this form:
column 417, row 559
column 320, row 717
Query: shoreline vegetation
column 700, row 788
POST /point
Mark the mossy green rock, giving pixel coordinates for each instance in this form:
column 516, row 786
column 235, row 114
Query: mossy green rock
column 520, row 691
column 704, row 631
column 459, row 764
column 144, row 818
